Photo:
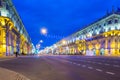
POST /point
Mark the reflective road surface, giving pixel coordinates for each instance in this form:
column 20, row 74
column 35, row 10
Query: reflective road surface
column 65, row 67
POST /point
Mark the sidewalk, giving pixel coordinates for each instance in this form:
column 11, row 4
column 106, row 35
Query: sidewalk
column 6, row 58
column 6, row 74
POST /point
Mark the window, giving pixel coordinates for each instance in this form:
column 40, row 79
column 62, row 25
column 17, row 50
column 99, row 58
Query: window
column 116, row 21
column 110, row 22
column 7, row 7
column 104, row 24
column 99, row 26
column 0, row 3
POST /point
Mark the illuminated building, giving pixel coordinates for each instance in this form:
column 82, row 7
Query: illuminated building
column 102, row 37
column 13, row 35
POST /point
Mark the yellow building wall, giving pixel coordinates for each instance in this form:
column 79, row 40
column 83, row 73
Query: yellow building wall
column 2, row 41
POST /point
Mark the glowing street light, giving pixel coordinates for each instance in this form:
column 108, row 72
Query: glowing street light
column 64, row 42
column 41, row 41
column 44, row 31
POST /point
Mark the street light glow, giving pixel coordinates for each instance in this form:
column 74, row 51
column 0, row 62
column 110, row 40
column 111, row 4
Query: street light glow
column 41, row 41
column 64, row 42
column 44, row 31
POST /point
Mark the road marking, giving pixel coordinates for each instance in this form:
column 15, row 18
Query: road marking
column 5, row 59
column 73, row 63
column 110, row 73
column 107, row 64
column 83, row 65
column 99, row 63
column 90, row 67
column 99, row 70
column 78, row 64
column 116, row 65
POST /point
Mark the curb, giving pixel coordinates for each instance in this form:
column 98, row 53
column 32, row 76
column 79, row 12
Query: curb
column 6, row 74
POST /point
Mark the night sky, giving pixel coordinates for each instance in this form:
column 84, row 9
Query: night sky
column 60, row 17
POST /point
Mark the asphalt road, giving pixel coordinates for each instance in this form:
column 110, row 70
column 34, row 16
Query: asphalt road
column 65, row 67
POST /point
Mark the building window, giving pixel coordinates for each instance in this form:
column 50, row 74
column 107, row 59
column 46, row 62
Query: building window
column 99, row 26
column 0, row 3
column 7, row 7
column 116, row 21
column 110, row 22
column 0, row 13
column 104, row 24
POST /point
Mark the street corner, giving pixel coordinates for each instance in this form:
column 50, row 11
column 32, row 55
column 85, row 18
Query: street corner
column 6, row 74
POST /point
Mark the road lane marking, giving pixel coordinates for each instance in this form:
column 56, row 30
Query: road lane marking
column 83, row 65
column 116, row 65
column 78, row 64
column 5, row 59
column 90, row 67
column 99, row 70
column 107, row 64
column 110, row 73
column 74, row 63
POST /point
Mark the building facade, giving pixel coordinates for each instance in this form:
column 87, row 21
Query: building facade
column 102, row 37
column 13, row 35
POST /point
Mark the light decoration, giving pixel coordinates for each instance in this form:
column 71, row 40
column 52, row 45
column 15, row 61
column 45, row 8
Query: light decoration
column 119, row 34
column 106, row 35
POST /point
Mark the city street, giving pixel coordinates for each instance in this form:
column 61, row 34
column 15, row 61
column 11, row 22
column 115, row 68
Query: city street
column 65, row 67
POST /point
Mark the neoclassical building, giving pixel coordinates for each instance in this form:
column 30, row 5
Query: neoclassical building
column 101, row 37
column 13, row 35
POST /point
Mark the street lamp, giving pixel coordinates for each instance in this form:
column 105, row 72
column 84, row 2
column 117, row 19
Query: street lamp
column 41, row 41
column 63, row 42
column 43, row 31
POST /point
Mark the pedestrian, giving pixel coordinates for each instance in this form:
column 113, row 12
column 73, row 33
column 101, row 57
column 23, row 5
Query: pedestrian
column 16, row 54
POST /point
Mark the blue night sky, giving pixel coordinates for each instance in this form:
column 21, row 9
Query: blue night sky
column 60, row 17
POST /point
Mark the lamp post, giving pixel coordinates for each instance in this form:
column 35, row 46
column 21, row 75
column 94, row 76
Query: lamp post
column 43, row 31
